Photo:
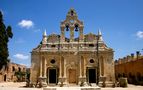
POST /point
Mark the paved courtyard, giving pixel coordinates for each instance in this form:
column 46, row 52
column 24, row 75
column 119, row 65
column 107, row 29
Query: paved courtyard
column 20, row 86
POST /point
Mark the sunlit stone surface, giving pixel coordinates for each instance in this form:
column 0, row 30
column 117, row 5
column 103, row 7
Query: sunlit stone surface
column 78, row 58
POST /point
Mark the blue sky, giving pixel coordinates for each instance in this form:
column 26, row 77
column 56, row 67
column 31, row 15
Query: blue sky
column 121, row 23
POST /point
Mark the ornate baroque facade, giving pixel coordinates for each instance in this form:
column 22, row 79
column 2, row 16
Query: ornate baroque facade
column 62, row 60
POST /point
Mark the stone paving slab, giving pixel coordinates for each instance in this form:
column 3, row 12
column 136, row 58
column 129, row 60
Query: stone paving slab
column 16, row 88
column 72, row 88
column 19, row 86
column 122, row 88
column 12, row 84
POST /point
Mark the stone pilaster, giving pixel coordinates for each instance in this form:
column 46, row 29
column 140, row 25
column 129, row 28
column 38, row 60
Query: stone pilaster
column 64, row 78
column 65, row 69
column 45, row 68
column 62, row 39
column 40, row 66
column 81, row 34
column 84, row 71
column 80, row 69
column 71, row 34
column 60, row 75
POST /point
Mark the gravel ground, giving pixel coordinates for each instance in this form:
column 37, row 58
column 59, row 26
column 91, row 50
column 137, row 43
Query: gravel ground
column 20, row 86
column 15, row 86
column 12, row 84
column 130, row 87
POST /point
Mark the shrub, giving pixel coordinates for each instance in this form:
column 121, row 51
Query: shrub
column 123, row 82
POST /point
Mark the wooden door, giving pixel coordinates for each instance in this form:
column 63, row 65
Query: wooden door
column 52, row 76
column 72, row 76
column 92, row 75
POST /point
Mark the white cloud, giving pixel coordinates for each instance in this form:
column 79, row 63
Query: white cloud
column 140, row 34
column 21, row 56
column 26, row 24
column 20, row 40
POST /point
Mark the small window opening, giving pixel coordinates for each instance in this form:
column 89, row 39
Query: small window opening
column 53, row 45
column 91, row 61
column 71, row 13
column 91, row 45
column 19, row 69
column 13, row 68
column 53, row 61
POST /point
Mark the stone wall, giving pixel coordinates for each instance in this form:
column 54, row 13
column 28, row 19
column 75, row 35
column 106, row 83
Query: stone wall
column 65, row 62
column 9, row 73
column 130, row 67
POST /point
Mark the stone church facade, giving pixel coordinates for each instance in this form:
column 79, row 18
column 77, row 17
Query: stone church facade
column 75, row 60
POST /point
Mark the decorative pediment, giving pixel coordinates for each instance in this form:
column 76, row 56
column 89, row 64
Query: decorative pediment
column 53, row 38
column 89, row 37
column 71, row 19
column 72, row 13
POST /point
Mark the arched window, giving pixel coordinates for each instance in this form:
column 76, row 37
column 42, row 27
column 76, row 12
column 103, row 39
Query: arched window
column 76, row 29
column 139, row 76
column 130, row 75
column 71, row 12
column 119, row 75
column 67, row 31
column 124, row 75
column 13, row 68
column 19, row 69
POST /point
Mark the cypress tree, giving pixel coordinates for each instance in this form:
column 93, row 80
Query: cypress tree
column 5, row 34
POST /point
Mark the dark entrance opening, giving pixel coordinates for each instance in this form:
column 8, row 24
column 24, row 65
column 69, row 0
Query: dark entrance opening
column 4, row 77
column 52, row 76
column 92, row 75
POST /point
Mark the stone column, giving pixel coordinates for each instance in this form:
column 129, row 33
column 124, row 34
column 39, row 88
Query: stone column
column 81, row 34
column 71, row 34
column 80, row 69
column 64, row 78
column 60, row 81
column 62, row 34
column 84, row 71
column 65, row 68
column 45, row 68
column 60, row 67
column 80, row 72
column 40, row 66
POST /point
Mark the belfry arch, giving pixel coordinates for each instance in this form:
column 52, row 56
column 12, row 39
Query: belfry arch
column 72, row 25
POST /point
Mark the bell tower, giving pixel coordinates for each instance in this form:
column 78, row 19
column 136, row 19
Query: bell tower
column 72, row 24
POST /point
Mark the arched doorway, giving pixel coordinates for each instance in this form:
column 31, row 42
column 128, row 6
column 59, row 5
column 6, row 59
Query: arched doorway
column 5, row 78
column 91, row 75
column 52, row 75
column 72, row 75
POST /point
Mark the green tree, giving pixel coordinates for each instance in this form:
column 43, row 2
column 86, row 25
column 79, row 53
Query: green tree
column 20, row 75
column 5, row 34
